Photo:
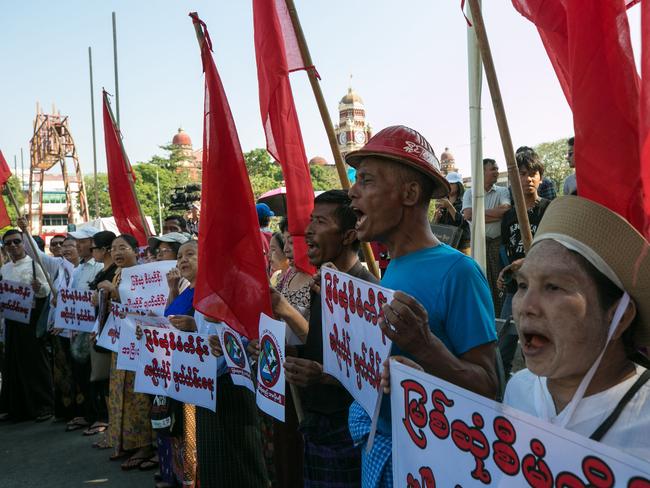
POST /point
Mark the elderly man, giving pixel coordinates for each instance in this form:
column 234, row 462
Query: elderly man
column 442, row 316
column 27, row 377
column 582, row 292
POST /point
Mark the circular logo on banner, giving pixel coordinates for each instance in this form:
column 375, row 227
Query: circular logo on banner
column 269, row 361
column 233, row 350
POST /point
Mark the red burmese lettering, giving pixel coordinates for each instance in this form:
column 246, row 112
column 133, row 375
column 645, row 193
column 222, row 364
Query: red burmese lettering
column 595, row 470
column 350, row 298
column 638, row 482
column 427, row 480
column 343, row 300
column 368, row 370
column 534, row 468
column 328, row 292
column 503, row 454
column 438, row 422
column 341, row 347
column 415, row 411
column 473, row 440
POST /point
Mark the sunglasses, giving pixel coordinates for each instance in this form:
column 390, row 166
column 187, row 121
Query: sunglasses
column 13, row 242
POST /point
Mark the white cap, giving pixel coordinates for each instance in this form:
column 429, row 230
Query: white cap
column 85, row 232
column 179, row 237
column 454, row 177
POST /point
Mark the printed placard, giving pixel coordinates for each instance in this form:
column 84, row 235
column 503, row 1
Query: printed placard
column 109, row 337
column 354, row 346
column 177, row 364
column 444, row 435
column 74, row 310
column 128, row 345
column 64, row 278
column 234, row 353
column 16, row 301
column 144, row 287
column 270, row 367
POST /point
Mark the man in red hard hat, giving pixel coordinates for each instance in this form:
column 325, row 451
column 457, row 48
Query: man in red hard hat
column 442, row 316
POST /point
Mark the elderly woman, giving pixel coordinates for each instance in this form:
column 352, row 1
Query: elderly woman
column 129, row 432
column 583, row 316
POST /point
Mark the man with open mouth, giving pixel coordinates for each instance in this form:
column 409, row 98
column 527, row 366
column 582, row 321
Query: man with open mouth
column 582, row 308
column 442, row 316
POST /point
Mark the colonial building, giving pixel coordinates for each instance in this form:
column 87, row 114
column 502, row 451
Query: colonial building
column 447, row 162
column 352, row 131
column 191, row 163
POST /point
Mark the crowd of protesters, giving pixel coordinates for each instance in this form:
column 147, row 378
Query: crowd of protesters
column 560, row 300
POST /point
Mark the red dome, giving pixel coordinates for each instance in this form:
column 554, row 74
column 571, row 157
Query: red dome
column 181, row 139
column 318, row 161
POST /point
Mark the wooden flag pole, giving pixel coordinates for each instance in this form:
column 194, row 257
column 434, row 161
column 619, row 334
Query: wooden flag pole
column 145, row 225
column 29, row 241
column 502, row 123
column 327, row 121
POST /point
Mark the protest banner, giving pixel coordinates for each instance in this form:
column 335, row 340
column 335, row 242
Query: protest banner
column 74, row 310
column 110, row 335
column 270, row 367
column 16, row 301
column 234, row 353
column 128, row 350
column 354, row 346
column 444, row 435
column 178, row 365
column 144, row 287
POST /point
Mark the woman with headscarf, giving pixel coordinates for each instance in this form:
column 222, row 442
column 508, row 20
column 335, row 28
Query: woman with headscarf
column 582, row 310
column 129, row 431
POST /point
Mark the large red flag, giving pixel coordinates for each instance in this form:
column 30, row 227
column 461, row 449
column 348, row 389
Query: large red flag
column 123, row 199
column 589, row 46
column 231, row 284
column 644, row 113
column 277, row 53
column 5, row 174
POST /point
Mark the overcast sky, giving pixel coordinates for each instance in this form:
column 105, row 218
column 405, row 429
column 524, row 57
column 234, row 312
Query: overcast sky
column 408, row 60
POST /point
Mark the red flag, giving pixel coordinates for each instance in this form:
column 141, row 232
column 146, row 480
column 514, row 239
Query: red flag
column 123, row 200
column 277, row 53
column 5, row 174
column 589, row 46
column 231, row 284
column 644, row 113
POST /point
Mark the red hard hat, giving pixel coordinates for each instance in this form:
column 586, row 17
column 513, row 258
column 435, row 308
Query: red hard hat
column 404, row 145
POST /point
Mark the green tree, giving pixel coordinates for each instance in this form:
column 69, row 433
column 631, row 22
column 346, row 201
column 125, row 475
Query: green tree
column 176, row 155
column 264, row 173
column 324, row 177
column 14, row 184
column 553, row 155
column 101, row 190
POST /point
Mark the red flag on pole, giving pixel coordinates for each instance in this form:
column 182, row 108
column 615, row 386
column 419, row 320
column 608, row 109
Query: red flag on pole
column 231, row 284
column 590, row 49
column 644, row 113
column 277, row 53
column 5, row 174
column 124, row 203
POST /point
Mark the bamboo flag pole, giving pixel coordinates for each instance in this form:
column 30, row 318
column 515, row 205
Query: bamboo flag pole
column 327, row 121
column 502, row 123
column 145, row 225
column 29, row 241
column 117, row 86
column 92, row 117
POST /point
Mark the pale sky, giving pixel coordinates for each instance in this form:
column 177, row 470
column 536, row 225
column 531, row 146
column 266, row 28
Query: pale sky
column 408, row 60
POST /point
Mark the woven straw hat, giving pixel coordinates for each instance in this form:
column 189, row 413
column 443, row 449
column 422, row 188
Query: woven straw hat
column 608, row 242
column 407, row 146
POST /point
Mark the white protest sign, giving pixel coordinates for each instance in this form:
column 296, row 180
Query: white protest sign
column 178, row 365
column 444, row 435
column 128, row 345
column 234, row 353
column 64, row 278
column 74, row 310
column 144, row 287
column 270, row 367
column 354, row 346
column 110, row 335
column 16, row 301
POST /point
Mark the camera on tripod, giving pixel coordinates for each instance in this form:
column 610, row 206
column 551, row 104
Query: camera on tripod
column 184, row 196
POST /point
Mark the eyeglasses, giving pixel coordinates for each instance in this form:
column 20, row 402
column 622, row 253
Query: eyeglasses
column 13, row 242
column 56, row 244
column 121, row 249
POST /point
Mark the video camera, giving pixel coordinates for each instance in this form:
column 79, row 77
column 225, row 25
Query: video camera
column 184, row 196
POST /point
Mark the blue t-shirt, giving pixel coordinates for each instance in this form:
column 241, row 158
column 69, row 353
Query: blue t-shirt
column 454, row 292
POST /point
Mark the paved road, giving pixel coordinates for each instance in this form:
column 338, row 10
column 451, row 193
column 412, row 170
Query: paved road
column 43, row 455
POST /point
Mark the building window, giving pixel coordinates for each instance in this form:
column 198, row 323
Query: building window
column 55, row 219
column 54, row 197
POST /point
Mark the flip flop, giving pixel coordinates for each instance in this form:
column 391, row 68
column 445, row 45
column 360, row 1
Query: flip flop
column 70, row 428
column 96, row 428
column 149, row 464
column 44, row 417
column 133, row 463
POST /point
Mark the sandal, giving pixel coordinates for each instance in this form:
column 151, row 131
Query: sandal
column 133, row 462
column 150, row 463
column 96, row 428
column 102, row 444
column 44, row 417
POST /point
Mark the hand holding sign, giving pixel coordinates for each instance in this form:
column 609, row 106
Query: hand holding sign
column 302, row 372
column 406, row 323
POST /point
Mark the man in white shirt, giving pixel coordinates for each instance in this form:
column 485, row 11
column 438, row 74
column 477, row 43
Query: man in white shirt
column 497, row 203
column 27, row 377
column 570, row 186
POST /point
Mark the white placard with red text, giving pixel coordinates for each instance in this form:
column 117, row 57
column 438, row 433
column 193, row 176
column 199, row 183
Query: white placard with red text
column 128, row 345
column 144, row 287
column 16, row 301
column 109, row 336
column 178, row 365
column 444, row 435
column 270, row 367
column 354, row 346
column 74, row 310
column 234, row 353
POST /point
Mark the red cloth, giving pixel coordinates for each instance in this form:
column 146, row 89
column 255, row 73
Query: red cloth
column 123, row 200
column 5, row 174
column 645, row 111
column 231, row 284
column 589, row 46
column 277, row 53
